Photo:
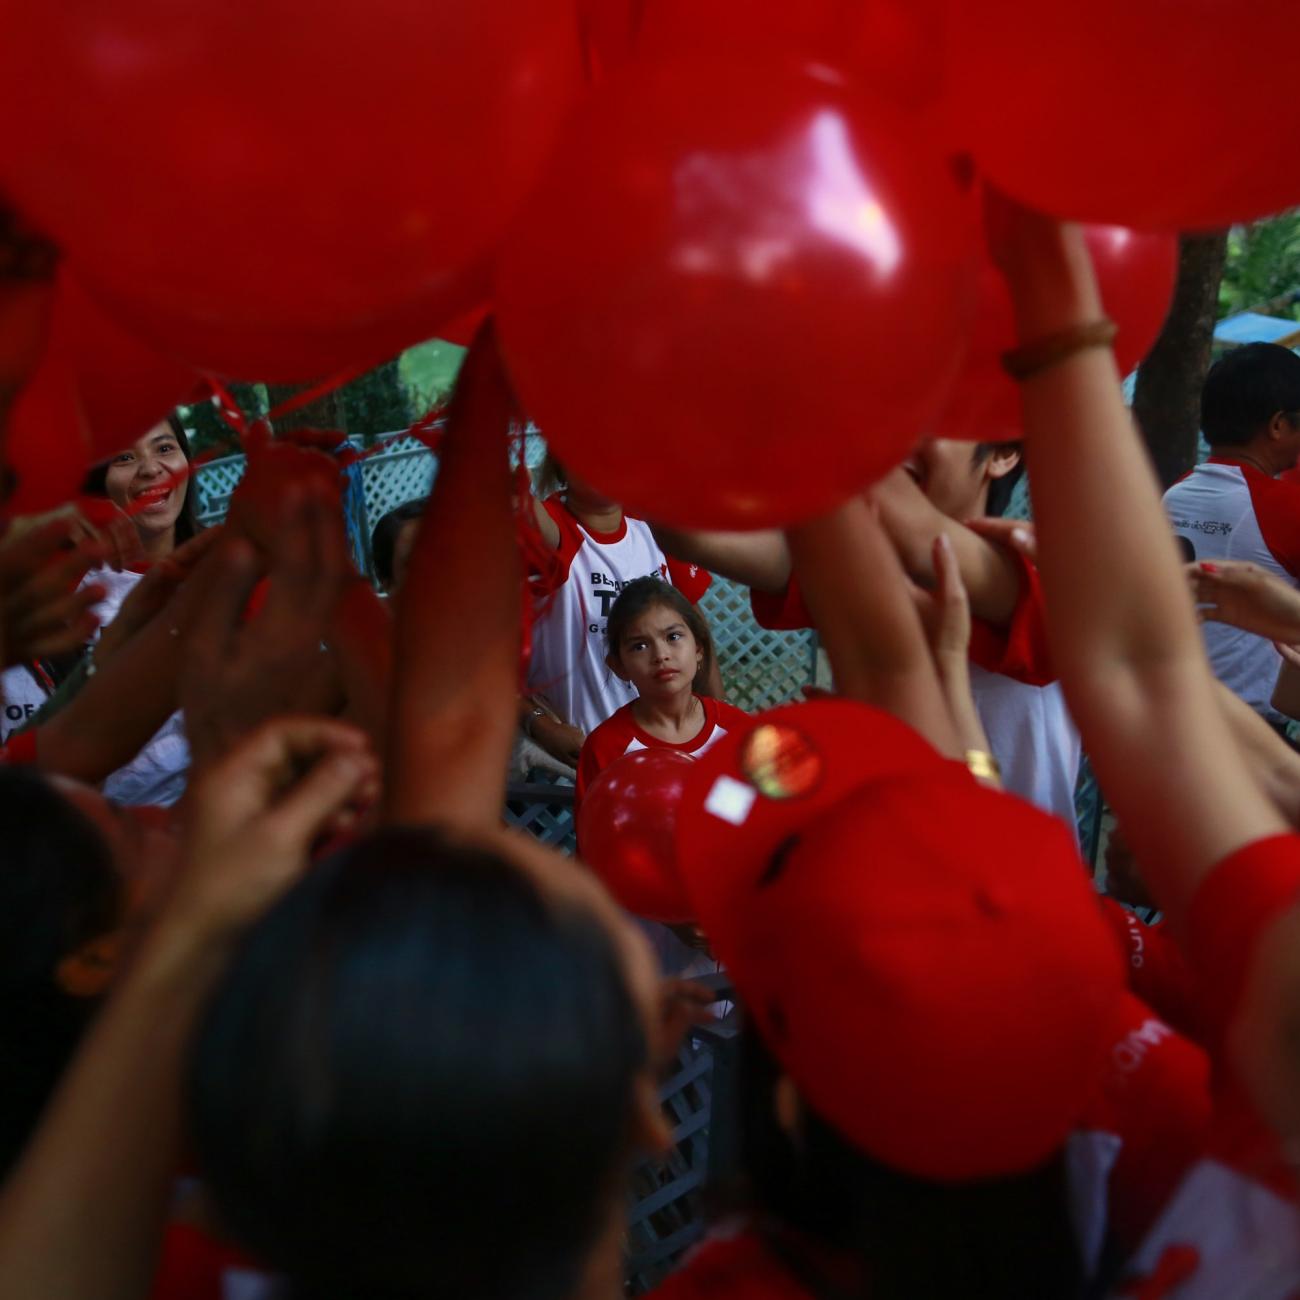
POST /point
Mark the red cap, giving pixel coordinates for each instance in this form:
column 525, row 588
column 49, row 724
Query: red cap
column 924, row 955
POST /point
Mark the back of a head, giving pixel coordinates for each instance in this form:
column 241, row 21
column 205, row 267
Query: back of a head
column 1245, row 389
column 915, row 1239
column 416, row 1079
column 58, row 891
column 383, row 540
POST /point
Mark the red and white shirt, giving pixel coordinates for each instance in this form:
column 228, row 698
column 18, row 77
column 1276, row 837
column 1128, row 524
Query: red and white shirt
column 568, row 646
column 1020, row 702
column 1232, row 1228
column 1228, row 510
column 620, row 735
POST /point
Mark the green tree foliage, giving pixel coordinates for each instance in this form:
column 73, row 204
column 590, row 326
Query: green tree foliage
column 1263, row 269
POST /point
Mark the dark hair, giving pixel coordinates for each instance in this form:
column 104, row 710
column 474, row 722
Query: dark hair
column 642, row 594
column 58, row 891
column 417, row 1078
column 549, row 477
column 383, row 541
column 1001, row 489
column 1245, row 389
column 911, row 1238
column 187, row 522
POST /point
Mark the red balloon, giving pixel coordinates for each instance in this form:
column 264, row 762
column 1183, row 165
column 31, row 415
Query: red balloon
column 46, row 446
column 1136, row 274
column 280, row 174
column 891, row 45
column 125, row 386
column 1149, row 113
column 626, row 827
column 739, row 294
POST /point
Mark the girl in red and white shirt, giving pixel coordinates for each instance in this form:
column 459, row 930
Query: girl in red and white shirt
column 658, row 643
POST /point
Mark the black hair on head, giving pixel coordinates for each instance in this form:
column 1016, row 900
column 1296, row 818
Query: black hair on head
column 383, row 541
column 1001, row 489
column 914, row 1239
column 58, row 891
column 417, row 1079
column 1245, row 389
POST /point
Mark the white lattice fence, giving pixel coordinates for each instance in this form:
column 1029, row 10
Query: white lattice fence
column 760, row 668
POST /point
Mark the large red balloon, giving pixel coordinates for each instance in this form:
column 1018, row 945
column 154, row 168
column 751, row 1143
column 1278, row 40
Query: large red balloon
column 125, row 386
column 1135, row 273
column 626, row 826
column 892, row 46
column 1157, row 113
column 296, row 168
column 46, row 448
column 740, row 293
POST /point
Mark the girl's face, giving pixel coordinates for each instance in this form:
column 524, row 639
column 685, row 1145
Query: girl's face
column 659, row 654
column 138, row 481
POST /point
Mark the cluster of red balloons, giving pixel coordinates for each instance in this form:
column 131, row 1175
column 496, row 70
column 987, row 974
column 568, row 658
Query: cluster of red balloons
column 734, row 245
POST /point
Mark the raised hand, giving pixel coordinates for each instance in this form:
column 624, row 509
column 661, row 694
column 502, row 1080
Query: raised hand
column 1246, row 596
column 43, row 611
column 239, row 671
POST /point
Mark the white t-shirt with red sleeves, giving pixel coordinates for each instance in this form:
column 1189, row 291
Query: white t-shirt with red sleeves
column 620, row 735
column 1228, row 510
column 568, row 638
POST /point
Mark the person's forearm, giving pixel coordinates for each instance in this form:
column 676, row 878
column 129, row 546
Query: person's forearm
column 855, row 589
column 760, row 560
column 456, row 651
column 991, row 576
column 362, row 642
column 117, row 711
column 954, row 678
column 82, row 1214
column 1122, row 629
column 1275, row 764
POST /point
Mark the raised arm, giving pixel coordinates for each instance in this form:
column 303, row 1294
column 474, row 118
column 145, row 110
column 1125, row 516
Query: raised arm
column 82, row 1214
column 455, row 682
column 857, row 592
column 760, row 560
column 1123, row 632
column 991, row 577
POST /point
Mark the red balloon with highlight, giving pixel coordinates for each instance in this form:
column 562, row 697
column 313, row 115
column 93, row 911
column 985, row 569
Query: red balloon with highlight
column 626, row 827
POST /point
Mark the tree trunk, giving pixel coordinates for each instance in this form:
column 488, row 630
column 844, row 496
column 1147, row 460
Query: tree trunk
column 1167, row 400
column 326, row 412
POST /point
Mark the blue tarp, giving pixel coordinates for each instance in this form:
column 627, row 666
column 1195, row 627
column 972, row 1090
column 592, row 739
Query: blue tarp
column 1251, row 327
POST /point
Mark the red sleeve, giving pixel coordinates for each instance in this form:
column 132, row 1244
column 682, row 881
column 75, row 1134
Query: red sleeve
column 728, row 717
column 1158, row 972
column 601, row 747
column 21, row 748
column 1018, row 650
column 781, row 611
column 546, row 584
column 1240, row 899
column 1277, row 510
column 690, row 579
column 1155, row 1097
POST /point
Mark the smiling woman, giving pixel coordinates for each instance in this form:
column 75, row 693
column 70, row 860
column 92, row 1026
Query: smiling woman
column 143, row 481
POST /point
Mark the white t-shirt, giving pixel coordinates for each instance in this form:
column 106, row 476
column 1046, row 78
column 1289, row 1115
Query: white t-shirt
column 568, row 645
column 1227, row 510
column 157, row 774
column 1033, row 738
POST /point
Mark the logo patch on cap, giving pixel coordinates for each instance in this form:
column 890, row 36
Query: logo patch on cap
column 782, row 763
